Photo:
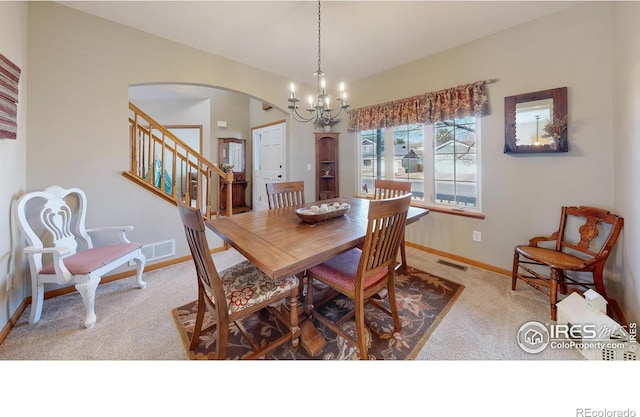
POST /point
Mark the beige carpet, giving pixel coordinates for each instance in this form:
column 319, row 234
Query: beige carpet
column 135, row 324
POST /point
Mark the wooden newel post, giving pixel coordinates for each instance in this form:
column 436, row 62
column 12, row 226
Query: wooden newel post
column 229, row 181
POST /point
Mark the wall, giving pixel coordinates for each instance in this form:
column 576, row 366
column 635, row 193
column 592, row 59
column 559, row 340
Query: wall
column 13, row 168
column 626, row 119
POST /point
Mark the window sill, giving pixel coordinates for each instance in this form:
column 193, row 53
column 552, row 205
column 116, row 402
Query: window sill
column 440, row 209
column 447, row 210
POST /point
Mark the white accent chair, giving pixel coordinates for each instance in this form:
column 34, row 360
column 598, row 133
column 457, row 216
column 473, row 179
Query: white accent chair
column 62, row 251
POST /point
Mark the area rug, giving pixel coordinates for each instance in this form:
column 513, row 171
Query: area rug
column 423, row 300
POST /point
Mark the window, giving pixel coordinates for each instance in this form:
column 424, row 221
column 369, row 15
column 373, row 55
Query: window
column 372, row 159
column 440, row 160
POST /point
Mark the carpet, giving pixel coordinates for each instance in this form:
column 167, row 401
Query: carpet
column 423, row 300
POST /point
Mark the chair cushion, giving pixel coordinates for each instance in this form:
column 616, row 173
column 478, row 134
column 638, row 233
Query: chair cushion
column 340, row 271
column 245, row 286
column 87, row 261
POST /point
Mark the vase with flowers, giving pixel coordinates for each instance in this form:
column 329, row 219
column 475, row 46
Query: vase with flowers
column 554, row 129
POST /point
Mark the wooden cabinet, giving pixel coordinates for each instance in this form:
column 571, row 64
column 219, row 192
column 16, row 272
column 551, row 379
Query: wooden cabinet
column 327, row 185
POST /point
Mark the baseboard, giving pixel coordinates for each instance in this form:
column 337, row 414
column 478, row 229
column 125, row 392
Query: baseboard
column 471, row 262
column 13, row 320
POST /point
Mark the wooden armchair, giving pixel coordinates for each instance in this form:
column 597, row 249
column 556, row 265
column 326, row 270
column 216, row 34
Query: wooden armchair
column 62, row 251
column 362, row 274
column 573, row 258
column 389, row 189
column 285, row 194
column 236, row 293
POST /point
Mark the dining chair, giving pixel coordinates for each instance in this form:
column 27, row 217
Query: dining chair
column 285, row 194
column 387, row 189
column 573, row 258
column 235, row 293
column 360, row 274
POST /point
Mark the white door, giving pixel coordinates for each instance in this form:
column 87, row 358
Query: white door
column 269, row 165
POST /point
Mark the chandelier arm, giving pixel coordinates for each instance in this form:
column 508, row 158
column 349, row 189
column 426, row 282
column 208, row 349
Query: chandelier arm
column 299, row 117
column 334, row 118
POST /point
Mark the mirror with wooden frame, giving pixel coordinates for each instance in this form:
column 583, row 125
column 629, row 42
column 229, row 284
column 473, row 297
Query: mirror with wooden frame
column 231, row 152
column 536, row 122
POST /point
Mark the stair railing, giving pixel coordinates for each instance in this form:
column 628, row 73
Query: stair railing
column 166, row 165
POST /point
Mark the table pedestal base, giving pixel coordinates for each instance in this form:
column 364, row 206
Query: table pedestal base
column 310, row 338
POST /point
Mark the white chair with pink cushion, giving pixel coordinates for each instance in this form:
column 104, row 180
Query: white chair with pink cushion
column 62, row 251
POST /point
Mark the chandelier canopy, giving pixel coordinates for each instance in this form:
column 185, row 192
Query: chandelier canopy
column 319, row 108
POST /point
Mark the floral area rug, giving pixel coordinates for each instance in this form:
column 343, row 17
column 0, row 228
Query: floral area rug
column 423, row 300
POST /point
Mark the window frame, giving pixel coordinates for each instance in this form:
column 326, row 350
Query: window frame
column 428, row 177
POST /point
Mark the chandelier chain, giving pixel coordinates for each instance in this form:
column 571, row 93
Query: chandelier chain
column 319, row 70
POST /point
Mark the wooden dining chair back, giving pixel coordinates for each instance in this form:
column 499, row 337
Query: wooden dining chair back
column 285, row 194
column 388, row 189
column 361, row 274
column 573, row 258
column 235, row 293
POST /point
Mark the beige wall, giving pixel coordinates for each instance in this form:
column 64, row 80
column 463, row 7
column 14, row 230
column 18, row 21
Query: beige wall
column 13, row 169
column 626, row 119
column 80, row 68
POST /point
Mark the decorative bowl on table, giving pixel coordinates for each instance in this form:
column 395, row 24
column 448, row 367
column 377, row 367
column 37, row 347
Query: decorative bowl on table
column 322, row 212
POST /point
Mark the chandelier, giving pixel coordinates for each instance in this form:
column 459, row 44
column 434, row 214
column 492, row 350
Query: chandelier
column 319, row 108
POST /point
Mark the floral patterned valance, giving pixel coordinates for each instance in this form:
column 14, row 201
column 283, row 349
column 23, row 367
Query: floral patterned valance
column 461, row 101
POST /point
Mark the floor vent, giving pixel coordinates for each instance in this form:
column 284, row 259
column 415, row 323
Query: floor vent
column 159, row 250
column 452, row 265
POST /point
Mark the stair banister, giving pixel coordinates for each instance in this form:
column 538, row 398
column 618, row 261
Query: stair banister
column 144, row 145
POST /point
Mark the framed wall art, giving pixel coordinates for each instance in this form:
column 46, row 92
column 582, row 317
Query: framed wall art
column 9, row 78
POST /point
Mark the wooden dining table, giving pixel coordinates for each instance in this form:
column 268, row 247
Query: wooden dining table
column 279, row 243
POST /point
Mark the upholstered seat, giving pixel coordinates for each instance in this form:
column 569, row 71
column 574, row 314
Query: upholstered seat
column 92, row 259
column 246, row 286
column 340, row 272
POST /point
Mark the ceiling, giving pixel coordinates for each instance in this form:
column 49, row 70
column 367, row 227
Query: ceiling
column 358, row 38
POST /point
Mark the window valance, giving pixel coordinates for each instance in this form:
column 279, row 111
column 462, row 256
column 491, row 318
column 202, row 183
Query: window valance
column 461, row 101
